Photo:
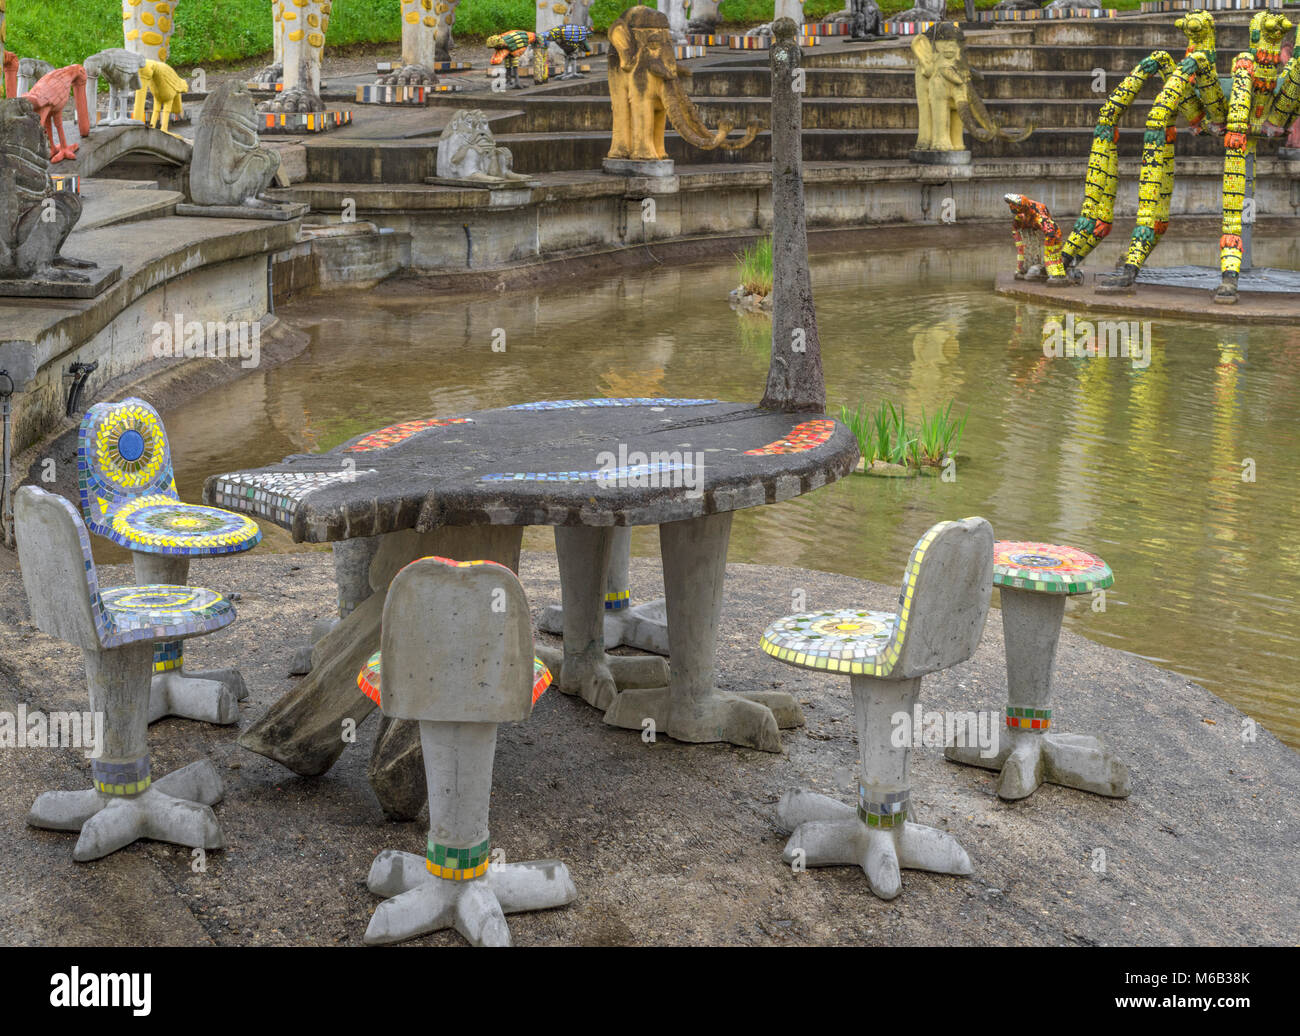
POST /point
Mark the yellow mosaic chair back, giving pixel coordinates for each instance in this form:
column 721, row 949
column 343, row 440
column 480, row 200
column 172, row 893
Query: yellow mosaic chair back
column 128, row 492
column 65, row 597
column 942, row 608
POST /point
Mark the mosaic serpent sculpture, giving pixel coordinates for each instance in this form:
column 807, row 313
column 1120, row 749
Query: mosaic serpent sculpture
column 1190, row 87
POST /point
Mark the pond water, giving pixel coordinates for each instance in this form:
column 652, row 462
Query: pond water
column 1142, row 464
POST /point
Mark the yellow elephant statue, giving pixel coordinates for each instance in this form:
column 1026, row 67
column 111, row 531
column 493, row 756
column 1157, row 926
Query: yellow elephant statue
column 167, row 88
column 645, row 91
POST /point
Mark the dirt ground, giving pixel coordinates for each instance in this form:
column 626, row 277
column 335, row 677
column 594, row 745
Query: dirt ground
column 671, row 843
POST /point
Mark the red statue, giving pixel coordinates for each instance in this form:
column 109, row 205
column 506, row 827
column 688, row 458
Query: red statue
column 10, row 62
column 49, row 96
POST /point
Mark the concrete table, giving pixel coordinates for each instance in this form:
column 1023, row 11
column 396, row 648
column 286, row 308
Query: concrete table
column 1035, row 579
column 465, row 487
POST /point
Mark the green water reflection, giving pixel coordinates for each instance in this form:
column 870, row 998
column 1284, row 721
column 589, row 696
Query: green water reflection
column 1142, row 464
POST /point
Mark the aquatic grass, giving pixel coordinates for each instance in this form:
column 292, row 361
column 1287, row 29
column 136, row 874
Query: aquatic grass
column 754, row 264
column 884, row 434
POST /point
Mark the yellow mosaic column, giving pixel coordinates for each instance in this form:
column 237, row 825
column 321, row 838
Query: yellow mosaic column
column 148, row 25
column 445, row 13
column 303, row 24
column 419, row 33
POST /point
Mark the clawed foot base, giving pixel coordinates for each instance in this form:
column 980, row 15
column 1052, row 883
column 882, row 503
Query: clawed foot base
column 417, row 903
column 643, row 626
column 408, row 75
column 174, row 809
column 209, row 697
column 750, row 720
column 597, row 679
column 290, row 101
column 828, row 833
column 1028, row 760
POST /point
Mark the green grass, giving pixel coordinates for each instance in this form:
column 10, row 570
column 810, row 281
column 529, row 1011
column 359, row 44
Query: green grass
column 884, row 435
column 212, row 31
column 754, row 265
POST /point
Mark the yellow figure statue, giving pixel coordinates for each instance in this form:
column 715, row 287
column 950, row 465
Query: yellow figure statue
column 645, row 92
column 946, row 98
column 148, row 25
column 166, row 87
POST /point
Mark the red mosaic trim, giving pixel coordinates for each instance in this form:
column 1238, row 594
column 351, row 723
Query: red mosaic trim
column 806, row 436
column 393, row 434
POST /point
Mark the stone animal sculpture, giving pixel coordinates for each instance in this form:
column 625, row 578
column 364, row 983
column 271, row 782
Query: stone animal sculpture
column 50, row 95
column 1191, row 88
column 1038, row 241
column 946, row 94
column 508, row 47
column 35, row 219
column 298, row 28
column 466, row 151
column 645, row 89
column 925, row 11
column 166, row 88
column 230, row 167
column 30, row 70
column 148, row 27
column 1255, row 107
column 121, row 68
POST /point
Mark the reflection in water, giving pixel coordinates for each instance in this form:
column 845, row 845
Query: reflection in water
column 1141, row 464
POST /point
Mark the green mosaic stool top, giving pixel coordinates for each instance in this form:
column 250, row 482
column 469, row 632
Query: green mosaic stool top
column 1048, row 568
column 843, row 640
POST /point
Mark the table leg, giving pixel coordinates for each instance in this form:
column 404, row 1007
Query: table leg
column 352, row 560
column 584, row 669
column 1031, row 754
column 691, row 708
column 211, row 696
column 304, row 730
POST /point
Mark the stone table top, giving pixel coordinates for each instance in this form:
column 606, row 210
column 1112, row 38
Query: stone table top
column 560, row 462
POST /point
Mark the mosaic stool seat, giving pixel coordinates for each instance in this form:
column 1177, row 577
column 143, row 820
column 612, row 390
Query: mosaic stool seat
column 943, row 605
column 476, row 671
column 128, row 495
column 116, row 630
column 1035, row 579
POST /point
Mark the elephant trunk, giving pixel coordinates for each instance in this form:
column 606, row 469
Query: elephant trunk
column 981, row 124
column 686, row 120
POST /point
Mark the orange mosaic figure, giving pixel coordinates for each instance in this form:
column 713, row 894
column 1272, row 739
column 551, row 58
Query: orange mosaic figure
column 50, row 95
column 1034, row 226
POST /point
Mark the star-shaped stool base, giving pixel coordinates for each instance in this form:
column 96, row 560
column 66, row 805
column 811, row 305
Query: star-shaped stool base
column 1029, row 759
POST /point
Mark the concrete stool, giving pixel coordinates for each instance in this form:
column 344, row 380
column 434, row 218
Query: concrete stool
column 643, row 626
column 128, row 495
column 944, row 602
column 1035, row 579
column 457, row 655
column 116, row 630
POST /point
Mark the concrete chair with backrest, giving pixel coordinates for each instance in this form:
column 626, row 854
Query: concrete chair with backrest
column 128, row 495
column 942, row 608
column 456, row 654
column 115, row 629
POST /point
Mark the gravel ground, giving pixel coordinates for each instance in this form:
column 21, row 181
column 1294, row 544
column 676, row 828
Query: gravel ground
column 670, row 843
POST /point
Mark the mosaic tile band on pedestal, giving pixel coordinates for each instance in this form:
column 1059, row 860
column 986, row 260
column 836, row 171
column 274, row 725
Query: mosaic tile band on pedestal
column 454, row 863
column 1048, row 568
column 617, row 600
column 129, row 778
column 1020, row 717
column 883, row 809
column 369, row 679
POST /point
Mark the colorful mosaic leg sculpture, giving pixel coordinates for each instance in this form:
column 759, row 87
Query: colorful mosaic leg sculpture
column 1035, row 579
column 1192, row 89
column 148, row 26
column 507, row 47
column 572, row 41
column 419, row 45
column 115, row 629
column 301, row 26
column 459, row 686
column 945, row 601
column 643, row 626
column 691, row 708
column 1250, row 109
column 128, row 495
